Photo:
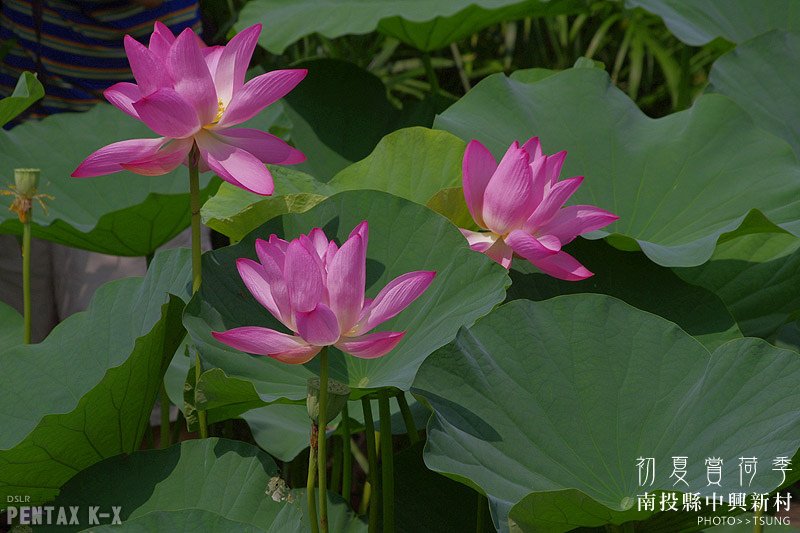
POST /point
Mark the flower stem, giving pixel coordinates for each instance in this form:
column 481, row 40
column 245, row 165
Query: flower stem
column 336, row 470
column 462, row 74
column 310, row 481
column 359, row 457
column 408, row 418
column 26, row 277
column 347, row 459
column 430, row 73
column 322, row 459
column 197, row 278
column 26, row 181
column 194, row 202
column 387, row 462
column 372, row 458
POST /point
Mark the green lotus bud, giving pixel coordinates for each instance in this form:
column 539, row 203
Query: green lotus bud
column 26, row 181
column 338, row 394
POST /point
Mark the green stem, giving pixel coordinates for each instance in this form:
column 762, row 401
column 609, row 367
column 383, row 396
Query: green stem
column 387, row 462
column 462, row 74
column 194, row 202
column 312, row 475
column 408, row 418
column 164, row 404
column 372, row 458
column 336, row 469
column 432, row 79
column 26, row 277
column 322, row 458
column 359, row 457
column 366, row 491
column 201, row 414
column 347, row 459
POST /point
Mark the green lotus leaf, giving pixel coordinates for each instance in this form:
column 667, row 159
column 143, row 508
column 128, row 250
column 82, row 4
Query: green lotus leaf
column 282, row 429
column 697, row 23
column 419, row 413
column 746, row 526
column 633, row 279
column 224, row 481
column 181, row 520
column 235, row 212
column 413, row 163
column 118, row 214
column 404, row 237
column 561, row 512
column 541, row 512
column 255, row 211
column 788, row 336
column 10, row 327
column 761, row 76
column 566, row 394
column 85, row 393
column 678, row 183
column 341, row 111
column 758, row 278
column 27, row 91
column 450, row 203
column 221, row 397
column 424, row 25
column 217, row 391
column 429, row 35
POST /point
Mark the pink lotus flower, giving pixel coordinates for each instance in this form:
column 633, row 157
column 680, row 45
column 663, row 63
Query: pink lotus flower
column 520, row 203
column 317, row 291
column 190, row 93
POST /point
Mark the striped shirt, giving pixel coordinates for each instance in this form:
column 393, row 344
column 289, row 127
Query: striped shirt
column 81, row 49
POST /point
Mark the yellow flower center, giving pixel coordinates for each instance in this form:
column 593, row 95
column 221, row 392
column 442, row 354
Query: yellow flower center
column 220, row 110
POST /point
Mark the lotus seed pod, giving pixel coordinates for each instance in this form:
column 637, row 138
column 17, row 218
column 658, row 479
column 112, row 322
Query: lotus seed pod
column 338, row 394
column 26, row 181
